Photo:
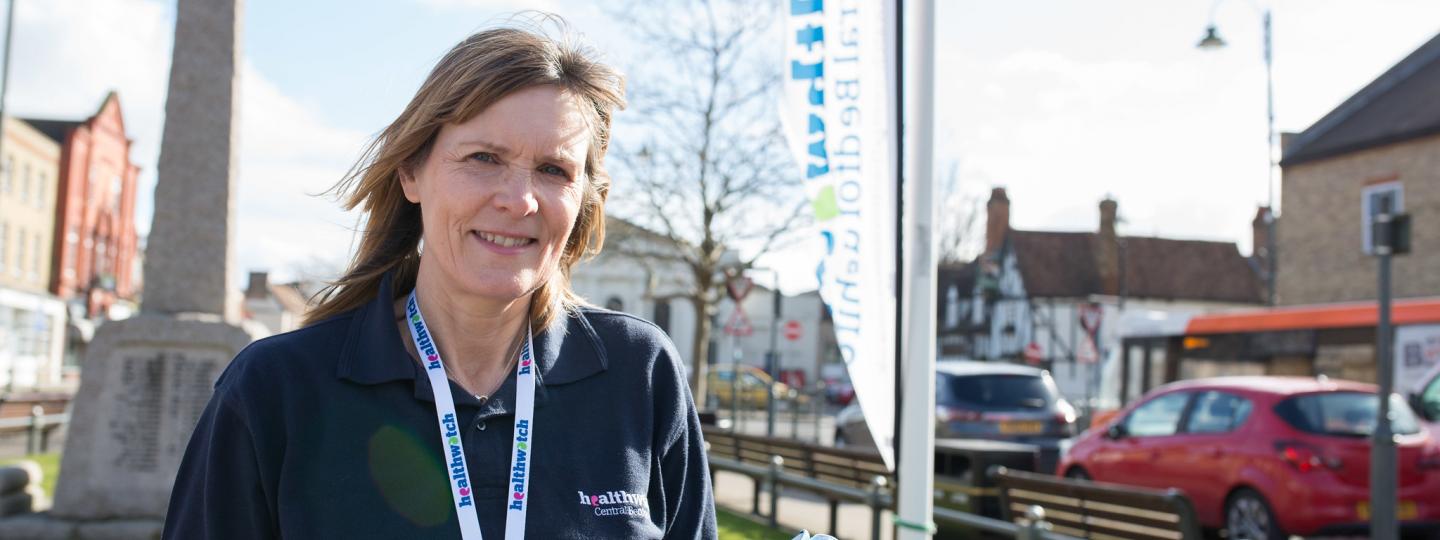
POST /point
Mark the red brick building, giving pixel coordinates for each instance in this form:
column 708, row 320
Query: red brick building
column 95, row 239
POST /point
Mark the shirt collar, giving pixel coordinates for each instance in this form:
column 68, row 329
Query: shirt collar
column 374, row 353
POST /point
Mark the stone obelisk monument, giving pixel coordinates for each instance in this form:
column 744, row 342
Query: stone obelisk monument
column 145, row 380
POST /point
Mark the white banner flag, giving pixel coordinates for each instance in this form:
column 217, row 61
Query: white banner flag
column 839, row 117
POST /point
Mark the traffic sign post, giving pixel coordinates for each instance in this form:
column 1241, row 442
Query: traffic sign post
column 793, row 330
column 1033, row 354
column 738, row 287
column 739, row 324
column 1390, row 235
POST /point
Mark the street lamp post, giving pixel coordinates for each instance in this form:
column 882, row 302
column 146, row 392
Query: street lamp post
column 1212, row 40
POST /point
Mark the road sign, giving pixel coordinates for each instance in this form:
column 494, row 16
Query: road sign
column 792, row 330
column 1085, row 351
column 1090, row 315
column 739, row 324
column 739, row 286
column 1033, row 354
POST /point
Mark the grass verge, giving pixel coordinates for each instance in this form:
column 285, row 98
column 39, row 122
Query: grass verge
column 734, row 526
column 49, row 468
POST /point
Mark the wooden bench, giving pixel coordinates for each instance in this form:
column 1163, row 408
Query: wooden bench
column 854, row 468
column 841, row 466
column 1098, row 510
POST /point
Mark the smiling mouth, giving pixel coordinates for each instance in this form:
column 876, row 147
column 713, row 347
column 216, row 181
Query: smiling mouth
column 504, row 241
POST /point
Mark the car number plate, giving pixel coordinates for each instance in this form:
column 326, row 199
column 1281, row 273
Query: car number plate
column 1017, row 427
column 1405, row 511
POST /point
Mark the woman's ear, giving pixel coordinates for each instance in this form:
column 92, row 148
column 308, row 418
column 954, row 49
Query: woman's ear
column 409, row 183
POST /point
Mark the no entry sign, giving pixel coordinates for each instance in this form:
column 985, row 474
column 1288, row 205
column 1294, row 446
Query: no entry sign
column 792, row 330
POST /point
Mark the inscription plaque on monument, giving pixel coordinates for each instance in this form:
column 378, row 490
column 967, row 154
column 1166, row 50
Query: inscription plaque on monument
column 148, row 392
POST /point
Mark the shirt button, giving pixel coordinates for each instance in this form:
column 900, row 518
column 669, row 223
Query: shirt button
column 480, row 425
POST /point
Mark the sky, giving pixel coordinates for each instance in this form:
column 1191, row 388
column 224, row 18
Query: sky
column 1063, row 103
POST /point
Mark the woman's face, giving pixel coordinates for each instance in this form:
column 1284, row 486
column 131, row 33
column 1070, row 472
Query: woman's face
column 499, row 193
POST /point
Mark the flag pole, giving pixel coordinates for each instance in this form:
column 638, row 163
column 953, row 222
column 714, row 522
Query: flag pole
column 917, row 428
column 899, row 382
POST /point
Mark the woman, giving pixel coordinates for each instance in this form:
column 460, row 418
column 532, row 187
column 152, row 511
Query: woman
column 451, row 383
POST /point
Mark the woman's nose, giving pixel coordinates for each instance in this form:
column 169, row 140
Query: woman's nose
column 515, row 192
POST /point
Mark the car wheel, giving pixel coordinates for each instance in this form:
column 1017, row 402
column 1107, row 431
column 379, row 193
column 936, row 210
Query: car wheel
column 1077, row 473
column 1248, row 517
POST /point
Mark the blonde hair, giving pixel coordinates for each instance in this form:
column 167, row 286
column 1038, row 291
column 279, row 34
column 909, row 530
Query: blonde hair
column 476, row 73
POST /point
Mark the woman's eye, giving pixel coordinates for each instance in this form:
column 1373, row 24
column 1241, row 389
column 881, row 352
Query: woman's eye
column 484, row 157
column 553, row 171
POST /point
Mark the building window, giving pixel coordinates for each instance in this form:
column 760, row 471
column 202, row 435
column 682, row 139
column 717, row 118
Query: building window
column 1377, row 199
column 662, row 314
column 4, row 252
column 115, row 193
column 41, row 191
column 20, row 259
column 615, row 304
column 7, row 175
column 35, row 259
column 25, row 184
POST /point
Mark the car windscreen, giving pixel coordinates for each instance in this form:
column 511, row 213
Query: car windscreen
column 1344, row 414
column 993, row 392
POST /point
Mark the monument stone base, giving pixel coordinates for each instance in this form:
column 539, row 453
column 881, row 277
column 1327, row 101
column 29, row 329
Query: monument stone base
column 144, row 384
column 44, row 526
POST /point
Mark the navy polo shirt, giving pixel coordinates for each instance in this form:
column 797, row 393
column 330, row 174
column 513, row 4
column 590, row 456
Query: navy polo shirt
column 330, row 432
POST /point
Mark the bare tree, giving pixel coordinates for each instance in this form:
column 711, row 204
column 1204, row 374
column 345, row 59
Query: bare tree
column 961, row 233
column 713, row 175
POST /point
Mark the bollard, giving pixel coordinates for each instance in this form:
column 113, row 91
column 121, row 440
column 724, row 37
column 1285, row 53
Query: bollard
column 795, row 417
column 834, row 512
column 37, row 430
column 777, row 464
column 1035, row 524
column 877, row 488
column 815, row 405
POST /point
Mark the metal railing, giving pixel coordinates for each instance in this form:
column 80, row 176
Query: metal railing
column 37, row 427
column 877, row 497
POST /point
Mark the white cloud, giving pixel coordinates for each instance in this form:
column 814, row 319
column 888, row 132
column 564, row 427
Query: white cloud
column 288, row 157
column 493, row 6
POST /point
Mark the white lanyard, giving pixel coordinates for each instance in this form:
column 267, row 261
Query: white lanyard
column 521, row 460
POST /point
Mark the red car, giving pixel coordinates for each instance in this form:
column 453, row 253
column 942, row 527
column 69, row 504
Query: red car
column 1264, row 457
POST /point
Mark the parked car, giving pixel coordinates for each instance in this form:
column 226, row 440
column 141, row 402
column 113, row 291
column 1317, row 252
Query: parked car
column 986, row 400
column 1263, row 457
column 839, row 391
column 753, row 386
column 1425, row 399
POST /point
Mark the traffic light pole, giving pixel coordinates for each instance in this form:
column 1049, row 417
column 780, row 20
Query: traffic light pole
column 1382, row 450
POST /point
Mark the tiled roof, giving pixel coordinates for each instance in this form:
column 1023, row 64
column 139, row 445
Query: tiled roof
column 290, row 298
column 1067, row 265
column 1161, row 268
column 1056, row 264
column 1401, row 104
column 54, row 129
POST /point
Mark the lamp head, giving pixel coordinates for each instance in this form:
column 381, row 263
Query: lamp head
column 1211, row 40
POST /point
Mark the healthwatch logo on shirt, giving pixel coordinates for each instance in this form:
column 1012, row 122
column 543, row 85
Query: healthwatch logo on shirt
column 616, row 503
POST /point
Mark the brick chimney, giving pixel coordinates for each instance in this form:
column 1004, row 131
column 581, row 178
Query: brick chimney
column 259, row 286
column 1107, row 248
column 997, row 220
column 1259, row 234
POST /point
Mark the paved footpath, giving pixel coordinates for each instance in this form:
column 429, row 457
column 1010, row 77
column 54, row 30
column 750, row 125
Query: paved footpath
column 799, row 510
